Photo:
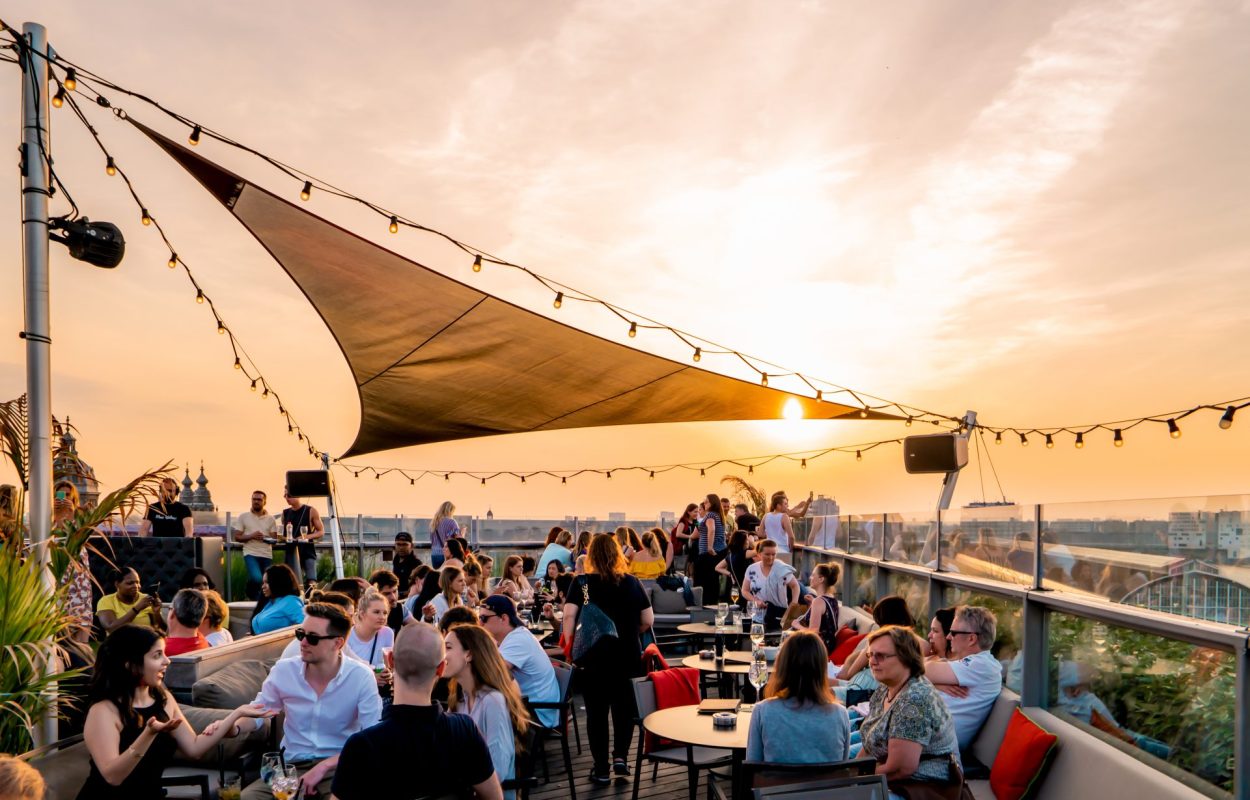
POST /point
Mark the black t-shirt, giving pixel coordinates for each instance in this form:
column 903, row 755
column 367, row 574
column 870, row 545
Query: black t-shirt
column 624, row 602
column 403, row 566
column 748, row 522
column 439, row 753
column 300, row 518
column 166, row 518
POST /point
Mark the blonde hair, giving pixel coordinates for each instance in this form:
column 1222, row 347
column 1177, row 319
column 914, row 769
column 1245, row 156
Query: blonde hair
column 489, row 670
column 652, row 545
column 19, row 780
column 445, row 510
column 565, row 539
column 370, row 596
column 446, row 578
column 217, row 610
column 628, row 537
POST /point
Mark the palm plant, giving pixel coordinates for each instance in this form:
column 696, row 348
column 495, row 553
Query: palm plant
column 752, row 495
column 35, row 623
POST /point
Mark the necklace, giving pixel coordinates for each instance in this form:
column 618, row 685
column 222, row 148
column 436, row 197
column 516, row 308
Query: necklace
column 890, row 698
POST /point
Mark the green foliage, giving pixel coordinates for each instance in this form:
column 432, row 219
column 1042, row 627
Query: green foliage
column 744, row 492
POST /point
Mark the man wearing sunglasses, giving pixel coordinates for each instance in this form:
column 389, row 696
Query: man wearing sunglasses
column 971, row 680
column 326, row 696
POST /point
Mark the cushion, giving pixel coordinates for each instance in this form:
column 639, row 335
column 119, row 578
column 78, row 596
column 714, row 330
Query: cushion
column 200, row 718
column 663, row 602
column 1110, row 728
column 1022, row 759
column 845, row 646
column 231, row 686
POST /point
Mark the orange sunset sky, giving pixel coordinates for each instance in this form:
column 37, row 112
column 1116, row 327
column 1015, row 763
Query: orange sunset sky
column 1034, row 210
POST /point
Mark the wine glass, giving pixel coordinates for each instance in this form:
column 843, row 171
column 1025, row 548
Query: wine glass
column 303, row 531
column 270, row 763
column 758, row 676
column 734, row 594
column 757, row 635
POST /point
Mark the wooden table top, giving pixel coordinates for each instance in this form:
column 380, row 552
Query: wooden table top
column 707, row 629
column 736, row 662
column 684, row 724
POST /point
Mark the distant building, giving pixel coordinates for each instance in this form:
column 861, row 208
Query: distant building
column 200, row 498
column 668, row 519
column 1231, row 535
column 1187, row 530
column 616, row 516
column 823, row 507
column 68, row 465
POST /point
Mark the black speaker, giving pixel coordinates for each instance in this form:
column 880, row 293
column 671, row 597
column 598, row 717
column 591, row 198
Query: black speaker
column 308, row 483
column 938, row 452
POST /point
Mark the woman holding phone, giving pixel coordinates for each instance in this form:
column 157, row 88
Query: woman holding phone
column 128, row 606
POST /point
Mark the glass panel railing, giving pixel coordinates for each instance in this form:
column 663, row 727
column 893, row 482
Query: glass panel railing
column 826, row 532
column 989, row 542
column 863, row 586
column 914, row 590
column 1009, row 629
column 864, row 534
column 1170, row 704
column 911, row 537
column 1187, row 556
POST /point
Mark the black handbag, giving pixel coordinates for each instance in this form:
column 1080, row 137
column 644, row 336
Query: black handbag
column 593, row 627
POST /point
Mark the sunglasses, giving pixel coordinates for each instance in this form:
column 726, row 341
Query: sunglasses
column 314, row 639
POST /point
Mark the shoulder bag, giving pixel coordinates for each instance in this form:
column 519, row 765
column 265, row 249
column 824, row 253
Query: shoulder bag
column 593, row 627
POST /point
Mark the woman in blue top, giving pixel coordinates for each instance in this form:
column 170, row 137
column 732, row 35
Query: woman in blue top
column 280, row 604
column 442, row 527
column 710, row 546
column 801, row 722
column 559, row 550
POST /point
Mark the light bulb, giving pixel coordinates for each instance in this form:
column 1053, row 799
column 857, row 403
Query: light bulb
column 377, row 476
column 821, row 396
column 412, row 481
column 698, row 354
column 58, row 99
column 1174, row 430
column 306, row 192
column 146, row 219
column 559, row 301
column 237, row 363
column 652, row 475
column 763, row 379
column 1119, row 438
column 1080, row 441
column 173, row 260
column 1024, row 440
column 265, row 391
column 522, row 479
column 290, row 429
column 1226, row 421
column 483, row 481
column 71, row 79
column 609, row 474
column 803, row 463
column 751, row 469
column 253, row 384
column 446, row 477
column 564, row 479
column 702, row 473
column 195, row 136
column 394, row 225
column 199, row 296
column 908, row 422
column 110, row 166
column 221, row 328
column 477, row 263
column 1050, row 442
column 859, row 455
column 863, row 413
column 633, row 329
column 998, row 438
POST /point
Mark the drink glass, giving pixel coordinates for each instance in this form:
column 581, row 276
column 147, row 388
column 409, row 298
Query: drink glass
column 303, row 531
column 270, row 763
column 758, row 676
column 734, row 594
column 232, row 789
column 284, row 788
column 757, row 635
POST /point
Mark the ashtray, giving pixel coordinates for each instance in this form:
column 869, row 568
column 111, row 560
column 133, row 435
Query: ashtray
column 707, row 655
column 724, row 720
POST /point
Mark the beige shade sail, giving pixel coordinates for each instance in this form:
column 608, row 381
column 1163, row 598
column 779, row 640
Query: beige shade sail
column 411, row 335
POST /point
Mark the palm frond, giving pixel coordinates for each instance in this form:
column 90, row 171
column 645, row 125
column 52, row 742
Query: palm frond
column 745, row 492
column 13, row 444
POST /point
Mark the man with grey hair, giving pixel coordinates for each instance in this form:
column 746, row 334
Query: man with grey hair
column 420, row 750
column 186, row 614
column 971, row 680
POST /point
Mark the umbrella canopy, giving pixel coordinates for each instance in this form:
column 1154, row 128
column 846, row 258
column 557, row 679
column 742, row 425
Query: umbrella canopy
column 434, row 359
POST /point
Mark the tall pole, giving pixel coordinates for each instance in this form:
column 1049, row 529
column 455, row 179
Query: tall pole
column 336, row 535
column 36, row 143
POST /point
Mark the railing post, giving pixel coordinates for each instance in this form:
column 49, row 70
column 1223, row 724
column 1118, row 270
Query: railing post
column 1035, row 678
column 1039, row 562
column 225, row 553
column 360, row 543
column 1241, row 721
column 882, row 577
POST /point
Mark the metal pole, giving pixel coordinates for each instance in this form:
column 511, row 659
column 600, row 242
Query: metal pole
column 35, row 142
column 336, row 535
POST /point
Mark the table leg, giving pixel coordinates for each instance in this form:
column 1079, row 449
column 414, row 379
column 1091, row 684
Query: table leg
column 739, row 792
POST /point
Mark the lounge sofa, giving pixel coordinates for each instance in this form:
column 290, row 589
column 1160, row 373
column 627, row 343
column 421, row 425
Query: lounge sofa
column 187, row 669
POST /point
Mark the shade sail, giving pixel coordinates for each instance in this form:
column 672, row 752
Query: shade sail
column 434, row 359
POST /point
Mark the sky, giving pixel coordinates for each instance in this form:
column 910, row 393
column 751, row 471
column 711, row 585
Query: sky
column 1032, row 210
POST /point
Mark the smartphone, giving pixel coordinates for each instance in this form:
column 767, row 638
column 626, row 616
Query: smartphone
column 62, row 495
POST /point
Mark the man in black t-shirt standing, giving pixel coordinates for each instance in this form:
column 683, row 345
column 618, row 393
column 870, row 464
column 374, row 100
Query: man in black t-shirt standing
column 167, row 517
column 745, row 520
column 404, row 561
column 420, row 751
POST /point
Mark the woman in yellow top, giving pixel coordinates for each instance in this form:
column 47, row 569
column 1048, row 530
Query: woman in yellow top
column 128, row 606
column 648, row 563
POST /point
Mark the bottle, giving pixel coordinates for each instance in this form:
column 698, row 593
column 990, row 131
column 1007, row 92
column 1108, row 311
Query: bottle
column 720, row 644
column 289, row 530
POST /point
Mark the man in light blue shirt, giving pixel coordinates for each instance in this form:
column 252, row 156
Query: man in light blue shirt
column 971, row 680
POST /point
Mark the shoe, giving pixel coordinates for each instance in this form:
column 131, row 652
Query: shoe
column 600, row 779
column 620, row 768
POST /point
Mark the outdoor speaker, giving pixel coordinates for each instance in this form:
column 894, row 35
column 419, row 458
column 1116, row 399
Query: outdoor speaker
column 939, row 452
column 312, row 482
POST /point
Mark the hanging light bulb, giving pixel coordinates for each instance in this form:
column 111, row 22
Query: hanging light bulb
column 483, row 481
column 763, row 379
column 1226, row 421
column 1050, row 442
column 237, row 363
column 803, row 464
column 199, row 296
column 110, row 166
column 1174, row 430
column 998, row 437
column 859, row 455
column 702, row 473
column 58, row 99
column 751, row 469
column 290, row 429
column 195, row 135
column 356, row 474
column 698, row 354
column 609, row 474
column 306, row 192
column 394, row 224
column 71, row 79
column 863, row 413
column 146, row 219
column 377, row 476
column 821, row 396
column 253, row 384
column 446, row 477
column 1080, row 440
column 908, row 422
column 652, row 474
column 1118, row 438
column 559, row 301
column 221, row 328
column 633, row 329
column 299, row 435
column 564, row 479
column 1024, row 440
column 477, row 263
column 265, row 392
column 522, row 479
column 281, row 410
column 173, row 261
column 412, row 481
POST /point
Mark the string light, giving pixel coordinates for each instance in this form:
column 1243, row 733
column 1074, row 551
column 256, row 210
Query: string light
column 820, row 396
column 633, row 329
column 110, row 167
column 306, row 192
column 237, row 363
column 698, row 354
column 908, row 422
column 522, row 479
column 146, row 219
column 1024, row 440
column 253, row 384
column 221, row 328
column 195, row 136
column 394, row 227
column 564, row 479
column 1226, row 421
column 446, row 477
column 702, row 473
column 998, row 437
column 58, row 99
column 173, row 261
column 412, row 481
column 859, row 456
column 477, row 265
column 377, row 476
column 483, row 481
column 559, row 301
column 199, row 296
column 1119, row 438
column 652, row 474
column 803, row 464
column 863, row 414
column 1174, row 430
column 1080, row 440
column 763, row 379
column 265, row 393
column 71, row 79
column 751, row 470
column 1050, row 442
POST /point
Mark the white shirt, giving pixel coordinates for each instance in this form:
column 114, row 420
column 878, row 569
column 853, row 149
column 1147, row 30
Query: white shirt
column 217, row 638
column 773, row 530
column 982, row 675
column 318, row 727
column 533, row 672
column 257, row 523
column 370, row 652
column 490, row 714
column 292, row 651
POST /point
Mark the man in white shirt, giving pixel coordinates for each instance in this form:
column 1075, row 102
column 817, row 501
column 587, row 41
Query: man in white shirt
column 251, row 529
column 971, row 680
column 530, row 664
column 326, row 696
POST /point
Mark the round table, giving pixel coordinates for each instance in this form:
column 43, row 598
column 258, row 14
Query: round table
column 723, row 667
column 684, row 724
column 708, row 629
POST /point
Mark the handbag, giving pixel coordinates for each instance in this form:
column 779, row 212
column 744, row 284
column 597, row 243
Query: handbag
column 593, row 627
column 955, row 789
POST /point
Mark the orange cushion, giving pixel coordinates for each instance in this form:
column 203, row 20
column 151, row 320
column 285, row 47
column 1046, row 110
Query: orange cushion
column 845, row 646
column 1022, row 759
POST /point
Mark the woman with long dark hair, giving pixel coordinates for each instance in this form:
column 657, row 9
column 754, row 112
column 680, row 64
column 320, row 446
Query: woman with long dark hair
column 800, row 722
column 133, row 725
column 613, row 661
column 734, row 564
column 280, row 603
column 710, row 545
column 451, row 584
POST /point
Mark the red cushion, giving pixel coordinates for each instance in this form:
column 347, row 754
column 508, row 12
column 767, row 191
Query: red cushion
column 845, row 646
column 1022, row 759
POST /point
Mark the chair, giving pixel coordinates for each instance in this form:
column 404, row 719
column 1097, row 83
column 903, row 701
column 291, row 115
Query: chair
column 564, row 677
column 694, row 758
column 859, row 787
column 200, row 781
column 758, row 775
column 525, row 778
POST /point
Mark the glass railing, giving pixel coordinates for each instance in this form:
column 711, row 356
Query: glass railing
column 989, row 541
column 911, row 538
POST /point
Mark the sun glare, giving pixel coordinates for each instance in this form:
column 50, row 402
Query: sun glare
column 792, row 409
